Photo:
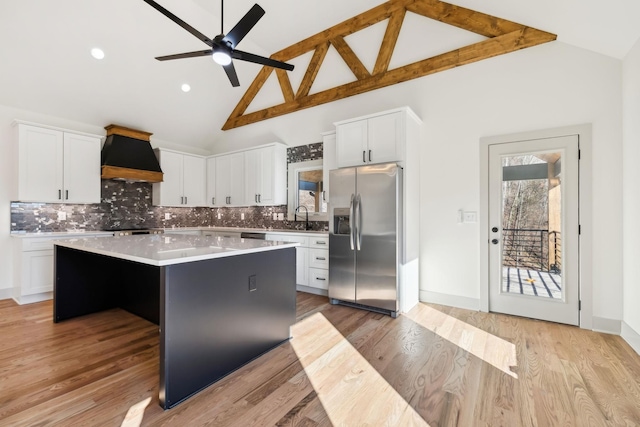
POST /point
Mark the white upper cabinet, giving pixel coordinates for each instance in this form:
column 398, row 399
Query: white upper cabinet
column 211, row 182
column 57, row 166
column 372, row 139
column 184, row 179
column 266, row 175
column 328, row 162
column 229, row 180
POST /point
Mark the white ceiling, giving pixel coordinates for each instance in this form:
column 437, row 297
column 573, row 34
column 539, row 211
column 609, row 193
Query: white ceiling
column 46, row 66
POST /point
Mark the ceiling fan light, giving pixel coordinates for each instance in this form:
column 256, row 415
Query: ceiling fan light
column 221, row 57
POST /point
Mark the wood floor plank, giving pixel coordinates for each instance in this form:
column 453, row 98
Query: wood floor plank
column 436, row 366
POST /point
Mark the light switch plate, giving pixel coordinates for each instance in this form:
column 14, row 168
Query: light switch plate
column 167, row 215
column 242, row 216
column 62, row 216
column 219, row 215
column 470, row 217
column 275, row 216
column 280, row 216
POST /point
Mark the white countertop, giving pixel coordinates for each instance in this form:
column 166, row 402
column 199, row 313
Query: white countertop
column 160, row 250
column 81, row 233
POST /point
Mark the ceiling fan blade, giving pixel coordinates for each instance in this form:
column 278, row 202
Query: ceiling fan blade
column 180, row 22
column 186, row 55
column 231, row 73
column 245, row 25
column 250, row 57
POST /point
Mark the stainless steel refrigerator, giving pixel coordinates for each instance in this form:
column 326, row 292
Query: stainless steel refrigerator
column 365, row 230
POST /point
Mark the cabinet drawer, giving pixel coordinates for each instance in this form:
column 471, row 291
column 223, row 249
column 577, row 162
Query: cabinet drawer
column 303, row 240
column 38, row 244
column 319, row 258
column 319, row 278
column 319, row 242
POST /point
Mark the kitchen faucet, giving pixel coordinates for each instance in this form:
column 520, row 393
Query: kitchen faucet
column 295, row 216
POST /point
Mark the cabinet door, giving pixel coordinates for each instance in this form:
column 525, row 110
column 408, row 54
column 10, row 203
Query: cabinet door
column 328, row 163
column 223, row 180
column 302, row 266
column 385, row 138
column 171, row 187
column 236, row 176
column 40, row 165
column 81, row 169
column 253, row 174
column 351, row 144
column 194, row 176
column 37, row 272
column 211, row 182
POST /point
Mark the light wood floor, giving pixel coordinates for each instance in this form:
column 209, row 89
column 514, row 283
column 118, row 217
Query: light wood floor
column 435, row 366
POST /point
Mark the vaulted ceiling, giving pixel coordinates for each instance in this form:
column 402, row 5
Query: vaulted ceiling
column 46, row 66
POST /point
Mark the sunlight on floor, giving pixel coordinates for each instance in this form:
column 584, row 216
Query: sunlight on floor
column 135, row 414
column 490, row 348
column 352, row 392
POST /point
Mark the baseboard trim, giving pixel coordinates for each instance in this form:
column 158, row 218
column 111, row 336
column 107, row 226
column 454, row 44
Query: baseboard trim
column 310, row 290
column 6, row 293
column 631, row 337
column 450, row 300
column 608, row 326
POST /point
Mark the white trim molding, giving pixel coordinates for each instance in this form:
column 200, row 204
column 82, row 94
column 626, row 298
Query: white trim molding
column 6, row 293
column 631, row 337
column 608, row 326
column 584, row 133
column 450, row 300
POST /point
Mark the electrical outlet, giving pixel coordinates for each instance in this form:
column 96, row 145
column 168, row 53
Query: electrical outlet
column 252, row 283
column 62, row 216
column 242, row 216
column 275, row 216
column 470, row 217
column 280, row 216
column 167, row 215
column 219, row 215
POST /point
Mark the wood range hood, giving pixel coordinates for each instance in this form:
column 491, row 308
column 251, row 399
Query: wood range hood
column 127, row 155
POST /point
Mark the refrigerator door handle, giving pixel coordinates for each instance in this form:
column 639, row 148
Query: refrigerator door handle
column 351, row 222
column 358, row 230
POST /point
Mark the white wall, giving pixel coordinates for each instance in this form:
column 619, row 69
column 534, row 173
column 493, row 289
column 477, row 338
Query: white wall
column 631, row 194
column 548, row 86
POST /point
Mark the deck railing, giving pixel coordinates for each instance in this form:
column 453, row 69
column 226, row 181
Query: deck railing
column 534, row 249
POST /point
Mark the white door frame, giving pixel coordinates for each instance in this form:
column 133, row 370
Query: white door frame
column 584, row 208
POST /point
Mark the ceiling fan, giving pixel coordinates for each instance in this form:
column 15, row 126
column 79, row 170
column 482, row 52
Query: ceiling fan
column 223, row 47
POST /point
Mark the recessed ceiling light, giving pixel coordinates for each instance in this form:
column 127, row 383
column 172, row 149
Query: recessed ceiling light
column 97, row 53
column 186, row 88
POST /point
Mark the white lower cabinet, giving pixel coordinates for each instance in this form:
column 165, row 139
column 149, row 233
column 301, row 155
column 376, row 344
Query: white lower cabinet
column 312, row 260
column 33, row 268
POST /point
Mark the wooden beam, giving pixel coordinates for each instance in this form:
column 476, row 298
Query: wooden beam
column 285, row 85
column 389, row 41
column 467, row 19
column 251, row 93
column 350, row 58
column 350, row 26
column 523, row 38
column 312, row 69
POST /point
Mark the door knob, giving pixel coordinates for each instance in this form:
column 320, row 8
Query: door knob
column 494, row 229
column 494, row 241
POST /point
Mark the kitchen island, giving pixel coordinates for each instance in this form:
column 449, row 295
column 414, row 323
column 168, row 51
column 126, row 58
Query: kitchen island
column 219, row 302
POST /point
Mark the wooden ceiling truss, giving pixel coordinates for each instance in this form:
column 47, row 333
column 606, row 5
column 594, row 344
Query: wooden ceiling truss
column 502, row 37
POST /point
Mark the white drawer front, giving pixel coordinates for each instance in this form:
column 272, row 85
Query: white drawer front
column 304, row 241
column 319, row 258
column 319, row 242
column 319, row 278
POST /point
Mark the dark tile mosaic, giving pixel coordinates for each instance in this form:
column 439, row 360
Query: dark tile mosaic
column 303, row 153
column 128, row 205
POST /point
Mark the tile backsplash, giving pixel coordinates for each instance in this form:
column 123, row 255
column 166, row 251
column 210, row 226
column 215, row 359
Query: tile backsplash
column 127, row 205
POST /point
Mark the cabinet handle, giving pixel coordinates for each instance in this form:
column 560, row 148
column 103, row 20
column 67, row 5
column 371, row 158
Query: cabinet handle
column 259, row 198
column 320, row 258
column 182, row 200
column 66, row 194
column 363, row 159
column 321, row 242
column 185, row 200
column 369, row 155
column 255, row 198
column 59, row 194
column 324, row 196
column 321, row 278
column 213, row 200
